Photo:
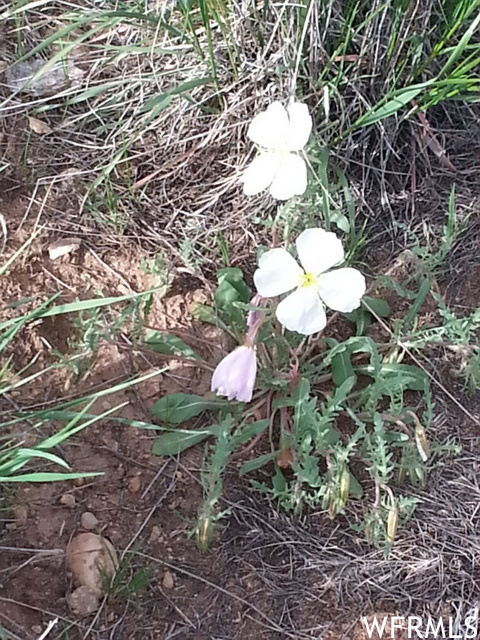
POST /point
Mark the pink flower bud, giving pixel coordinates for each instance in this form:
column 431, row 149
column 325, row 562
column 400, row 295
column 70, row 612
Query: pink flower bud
column 254, row 316
column 235, row 375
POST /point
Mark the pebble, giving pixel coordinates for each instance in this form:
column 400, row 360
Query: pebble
column 168, row 580
column 134, row 484
column 68, row 500
column 89, row 520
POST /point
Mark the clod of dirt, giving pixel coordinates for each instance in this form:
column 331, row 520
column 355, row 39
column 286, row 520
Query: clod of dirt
column 89, row 520
column 62, row 246
column 134, row 484
column 83, row 602
column 155, row 534
column 168, row 581
column 91, row 558
column 39, row 126
column 68, row 500
column 20, row 515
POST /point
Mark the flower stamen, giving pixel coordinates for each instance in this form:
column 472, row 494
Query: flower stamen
column 308, row 280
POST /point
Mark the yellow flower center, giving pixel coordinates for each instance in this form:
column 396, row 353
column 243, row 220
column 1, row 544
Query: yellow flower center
column 308, row 280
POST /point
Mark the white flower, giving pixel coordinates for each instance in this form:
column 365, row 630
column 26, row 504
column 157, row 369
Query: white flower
column 280, row 133
column 303, row 310
column 235, row 375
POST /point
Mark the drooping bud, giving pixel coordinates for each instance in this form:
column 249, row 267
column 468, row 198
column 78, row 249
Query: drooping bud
column 235, row 375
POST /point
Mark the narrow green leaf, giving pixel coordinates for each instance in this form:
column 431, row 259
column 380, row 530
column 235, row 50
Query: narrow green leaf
column 170, row 344
column 49, row 477
column 176, row 408
column 419, row 300
column 391, row 107
column 174, row 442
column 398, row 376
column 249, row 431
column 256, row 463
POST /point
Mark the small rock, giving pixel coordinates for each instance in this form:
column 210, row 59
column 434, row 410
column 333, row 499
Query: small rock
column 30, row 76
column 134, row 484
column 168, row 580
column 89, row 520
column 37, row 629
column 83, row 602
column 68, row 500
column 111, row 616
column 63, row 246
column 156, row 534
column 39, row 126
column 20, row 515
column 91, row 558
column 78, row 482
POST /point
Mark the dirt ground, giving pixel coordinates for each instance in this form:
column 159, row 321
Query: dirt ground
column 266, row 575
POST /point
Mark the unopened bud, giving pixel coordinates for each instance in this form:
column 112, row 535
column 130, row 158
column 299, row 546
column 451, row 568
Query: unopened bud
column 204, row 533
column 344, row 488
column 392, row 522
column 422, row 442
column 332, row 509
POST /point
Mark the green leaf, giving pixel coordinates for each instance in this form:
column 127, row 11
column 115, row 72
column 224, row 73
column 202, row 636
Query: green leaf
column 176, row 408
column 279, row 483
column 170, row 344
column 356, row 489
column 256, row 463
column 204, row 313
column 230, row 291
column 249, row 431
column 419, row 300
column 49, row 477
column 354, row 345
column 342, row 368
column 390, row 108
column 174, row 442
column 397, row 376
column 157, row 103
column 341, row 220
column 378, row 306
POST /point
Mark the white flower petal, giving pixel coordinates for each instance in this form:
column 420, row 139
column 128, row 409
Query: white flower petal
column 300, row 126
column 302, row 311
column 319, row 250
column 278, row 272
column 270, row 129
column 290, row 179
column 342, row 289
column 260, row 174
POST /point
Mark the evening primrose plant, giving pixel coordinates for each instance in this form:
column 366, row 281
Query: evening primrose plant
column 315, row 410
